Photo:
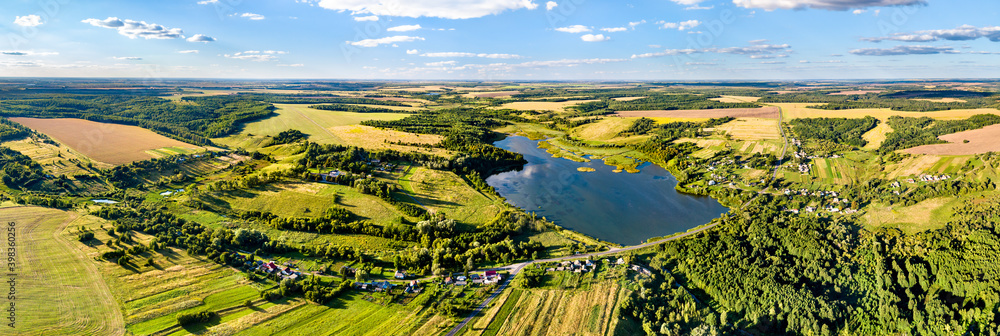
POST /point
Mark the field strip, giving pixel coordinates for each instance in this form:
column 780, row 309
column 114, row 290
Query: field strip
column 320, row 126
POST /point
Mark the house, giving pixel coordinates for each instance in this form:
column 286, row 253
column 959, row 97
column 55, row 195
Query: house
column 491, row 273
column 399, row 275
column 448, row 280
column 460, row 278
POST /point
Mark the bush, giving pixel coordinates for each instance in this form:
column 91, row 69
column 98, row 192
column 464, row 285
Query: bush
column 189, row 318
column 85, row 236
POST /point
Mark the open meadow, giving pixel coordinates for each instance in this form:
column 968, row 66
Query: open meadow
column 977, row 141
column 105, row 142
column 544, row 106
column 59, row 289
column 800, row 110
column 762, row 112
column 55, row 158
column 313, row 122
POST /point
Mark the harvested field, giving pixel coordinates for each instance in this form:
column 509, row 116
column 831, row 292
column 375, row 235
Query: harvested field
column 763, row 112
column 109, row 143
column 799, row 110
column 875, row 136
column 495, row 94
column 942, row 100
column 401, row 99
column 626, row 98
column 56, row 159
column 736, row 99
column 374, row 138
column 986, row 139
column 544, row 106
column 857, row 92
column 605, row 129
column 913, row 166
column 751, row 129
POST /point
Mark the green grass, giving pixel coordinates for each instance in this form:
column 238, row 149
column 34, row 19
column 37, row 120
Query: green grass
column 59, row 291
column 299, row 116
column 445, row 191
column 350, row 314
column 214, row 302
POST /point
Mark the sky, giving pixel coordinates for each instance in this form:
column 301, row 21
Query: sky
column 502, row 39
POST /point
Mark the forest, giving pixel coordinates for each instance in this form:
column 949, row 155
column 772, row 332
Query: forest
column 913, row 132
column 837, row 130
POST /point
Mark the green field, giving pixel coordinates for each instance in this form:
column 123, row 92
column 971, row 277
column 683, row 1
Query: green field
column 443, row 191
column 313, row 122
column 59, row 290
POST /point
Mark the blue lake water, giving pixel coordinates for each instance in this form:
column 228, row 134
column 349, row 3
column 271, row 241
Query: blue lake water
column 621, row 208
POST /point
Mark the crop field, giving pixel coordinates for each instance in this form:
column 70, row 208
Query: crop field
column 315, row 123
column 876, row 135
column 544, row 106
column 104, row 142
column 941, row 100
column 855, row 92
column 531, row 131
column 751, row 129
column 494, row 94
column 607, row 129
column 927, row 164
column 736, row 99
column 443, row 191
column 56, row 159
column 588, row 311
column 986, row 139
column 627, row 98
column 763, row 112
column 374, row 138
column 799, row 110
column 59, row 290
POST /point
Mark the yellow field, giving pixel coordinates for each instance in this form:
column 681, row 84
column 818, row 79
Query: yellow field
column 589, row 311
column 875, row 136
column 915, row 165
column 799, row 110
column 943, row 100
column 443, row 191
column 751, row 129
column 543, row 106
column 313, row 122
column 104, row 142
column 59, row 290
column 374, row 138
column 923, row 216
column 626, row 98
column 603, row 130
column 666, row 120
column 736, row 99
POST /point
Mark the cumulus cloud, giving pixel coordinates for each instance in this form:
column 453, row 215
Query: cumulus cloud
column 446, row 9
column 404, row 28
column 614, row 30
column 685, row 25
column 366, row 18
column 467, row 54
column 292, row 65
column 594, row 38
column 128, row 58
column 636, row 23
column 208, row 2
column 256, row 55
column 28, row 20
column 904, row 50
column 252, row 16
column 567, row 62
column 551, row 5
column 439, row 64
column 962, row 33
column 758, row 51
column 574, row 29
column 839, row 5
column 27, row 53
column 412, row 52
column 135, row 29
column 369, row 43
column 188, row 52
column 201, row 38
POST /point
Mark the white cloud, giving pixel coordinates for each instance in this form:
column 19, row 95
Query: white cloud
column 188, row 52
column 840, row 5
column 26, row 53
column 684, row 25
column 466, row 54
column 614, row 30
column 208, row 2
column 688, row 2
column 252, row 16
column 574, row 29
column 551, row 5
column 412, row 52
column 292, row 65
column 440, row 64
column 594, row 38
column 369, row 43
column 129, row 58
column 446, row 9
column 962, row 33
column 905, row 50
column 28, row 21
column 636, row 23
column 567, row 62
column 859, row 11
column 200, row 38
column 366, row 18
column 256, row 56
column 404, row 28
column 754, row 51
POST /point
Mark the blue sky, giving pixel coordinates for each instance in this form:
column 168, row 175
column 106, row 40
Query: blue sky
column 502, row 39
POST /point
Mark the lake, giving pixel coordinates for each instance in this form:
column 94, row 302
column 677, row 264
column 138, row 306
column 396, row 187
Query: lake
column 621, row 208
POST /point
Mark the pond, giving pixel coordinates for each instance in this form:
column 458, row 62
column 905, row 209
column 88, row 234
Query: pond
column 621, row 208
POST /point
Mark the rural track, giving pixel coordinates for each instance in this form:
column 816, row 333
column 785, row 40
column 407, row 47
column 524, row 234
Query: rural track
column 515, row 268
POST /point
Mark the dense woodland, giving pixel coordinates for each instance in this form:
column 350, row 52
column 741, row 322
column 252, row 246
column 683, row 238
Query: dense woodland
column 902, row 100
column 837, row 130
column 913, row 132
